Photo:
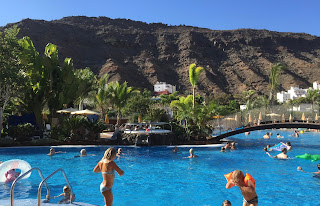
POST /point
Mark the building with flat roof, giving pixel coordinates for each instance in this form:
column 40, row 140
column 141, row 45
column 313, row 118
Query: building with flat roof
column 163, row 88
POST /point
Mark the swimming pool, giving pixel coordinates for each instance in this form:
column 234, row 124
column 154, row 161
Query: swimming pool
column 155, row 176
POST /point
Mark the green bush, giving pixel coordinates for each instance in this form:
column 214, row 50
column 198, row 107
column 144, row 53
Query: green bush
column 7, row 142
column 22, row 132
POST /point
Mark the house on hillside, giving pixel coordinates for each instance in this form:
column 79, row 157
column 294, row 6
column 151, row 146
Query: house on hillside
column 292, row 93
column 163, row 88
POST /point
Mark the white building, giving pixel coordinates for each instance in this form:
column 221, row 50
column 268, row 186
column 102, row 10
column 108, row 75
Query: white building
column 164, row 88
column 283, row 96
column 293, row 93
column 316, row 85
column 243, row 107
column 302, row 108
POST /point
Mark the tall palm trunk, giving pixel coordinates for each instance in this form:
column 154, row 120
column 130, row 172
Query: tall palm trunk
column 194, row 98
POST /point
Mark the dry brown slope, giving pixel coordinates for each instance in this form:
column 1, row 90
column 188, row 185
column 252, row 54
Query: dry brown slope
column 143, row 54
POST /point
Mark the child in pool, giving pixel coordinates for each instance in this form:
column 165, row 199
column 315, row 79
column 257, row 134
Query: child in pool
column 226, row 203
column 68, row 198
column 11, row 175
column 248, row 190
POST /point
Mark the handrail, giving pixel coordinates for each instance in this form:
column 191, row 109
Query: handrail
column 20, row 177
column 45, row 182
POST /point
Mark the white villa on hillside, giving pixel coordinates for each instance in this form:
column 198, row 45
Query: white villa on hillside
column 292, row 93
column 164, row 88
column 316, row 85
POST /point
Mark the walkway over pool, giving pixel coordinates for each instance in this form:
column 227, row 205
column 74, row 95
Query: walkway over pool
column 270, row 126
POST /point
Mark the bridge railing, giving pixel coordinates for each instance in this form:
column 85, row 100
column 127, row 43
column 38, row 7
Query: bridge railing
column 275, row 114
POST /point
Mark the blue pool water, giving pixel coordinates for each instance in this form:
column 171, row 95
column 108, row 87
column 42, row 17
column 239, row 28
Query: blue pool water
column 155, row 176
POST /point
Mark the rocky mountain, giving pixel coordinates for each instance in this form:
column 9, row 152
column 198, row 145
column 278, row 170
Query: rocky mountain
column 142, row 54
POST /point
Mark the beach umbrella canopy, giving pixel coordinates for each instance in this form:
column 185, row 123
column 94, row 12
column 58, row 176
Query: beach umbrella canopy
column 229, row 118
column 283, row 118
column 236, row 117
column 217, row 117
column 85, row 112
column 303, row 117
column 316, row 117
column 273, row 115
column 249, row 118
column 290, row 118
column 140, row 118
column 68, row 110
column 260, row 116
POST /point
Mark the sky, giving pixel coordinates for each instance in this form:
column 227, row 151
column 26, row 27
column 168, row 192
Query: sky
column 274, row 15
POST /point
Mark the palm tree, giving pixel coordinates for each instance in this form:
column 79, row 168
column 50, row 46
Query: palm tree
column 102, row 93
column 183, row 108
column 274, row 79
column 194, row 74
column 313, row 96
column 118, row 95
column 249, row 97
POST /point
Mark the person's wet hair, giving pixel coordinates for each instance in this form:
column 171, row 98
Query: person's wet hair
column 288, row 143
column 226, row 202
column 284, row 150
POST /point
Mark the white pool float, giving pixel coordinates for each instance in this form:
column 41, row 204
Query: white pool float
column 14, row 164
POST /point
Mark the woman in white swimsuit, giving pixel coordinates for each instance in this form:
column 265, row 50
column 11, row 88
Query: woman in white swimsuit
column 107, row 167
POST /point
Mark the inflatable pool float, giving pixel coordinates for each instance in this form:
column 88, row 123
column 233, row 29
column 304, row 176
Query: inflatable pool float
column 6, row 166
column 309, row 157
column 278, row 147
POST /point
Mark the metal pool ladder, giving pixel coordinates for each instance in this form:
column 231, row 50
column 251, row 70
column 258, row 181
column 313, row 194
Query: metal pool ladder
column 44, row 181
column 20, row 177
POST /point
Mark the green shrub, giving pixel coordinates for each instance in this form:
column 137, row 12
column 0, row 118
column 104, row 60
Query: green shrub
column 7, row 142
column 22, row 132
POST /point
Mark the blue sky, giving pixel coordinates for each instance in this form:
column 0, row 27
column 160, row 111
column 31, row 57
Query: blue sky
column 275, row 15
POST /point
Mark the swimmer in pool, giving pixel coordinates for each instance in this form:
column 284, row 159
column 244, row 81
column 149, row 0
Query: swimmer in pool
column 53, row 152
column 227, row 146
column 316, row 173
column 226, row 203
column 192, row 155
column 119, row 153
column 175, row 149
column 282, row 155
column 11, row 175
column 107, row 167
column 83, row 153
column 266, row 136
column 233, row 146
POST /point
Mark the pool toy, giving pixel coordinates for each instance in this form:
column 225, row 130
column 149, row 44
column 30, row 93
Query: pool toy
column 246, row 179
column 309, row 157
column 13, row 164
column 278, row 147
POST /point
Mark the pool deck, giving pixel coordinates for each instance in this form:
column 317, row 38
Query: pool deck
column 34, row 202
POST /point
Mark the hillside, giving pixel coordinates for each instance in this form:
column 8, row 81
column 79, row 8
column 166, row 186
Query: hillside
column 143, row 54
